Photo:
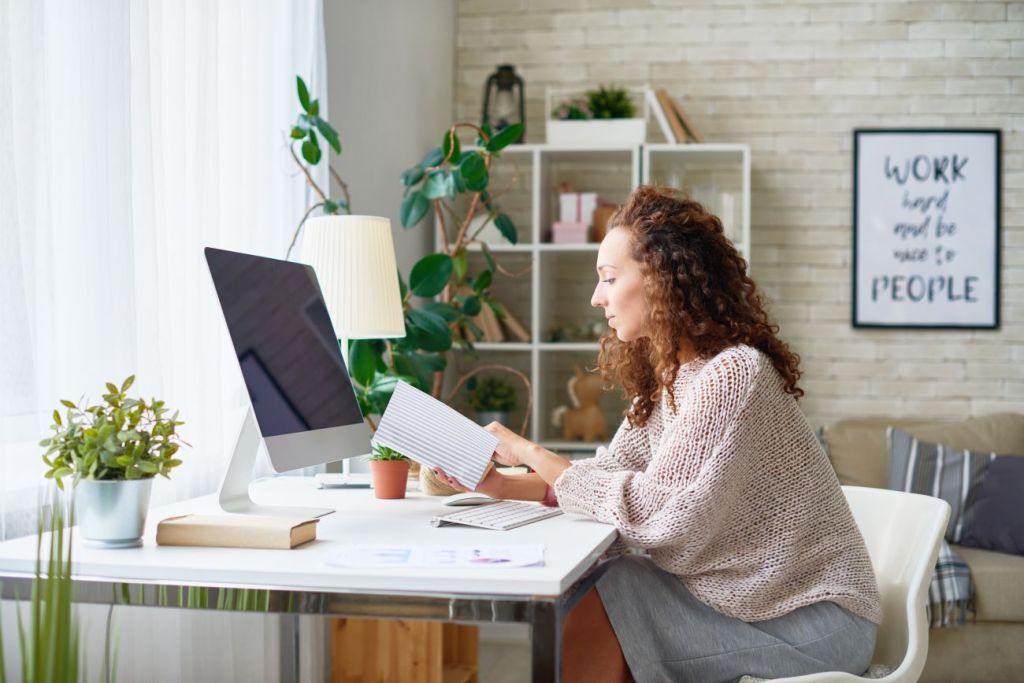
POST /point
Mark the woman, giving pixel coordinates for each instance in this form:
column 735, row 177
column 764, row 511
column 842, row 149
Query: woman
column 754, row 563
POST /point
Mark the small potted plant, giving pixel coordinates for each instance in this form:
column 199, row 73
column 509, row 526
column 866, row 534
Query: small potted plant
column 605, row 116
column 390, row 472
column 491, row 398
column 112, row 450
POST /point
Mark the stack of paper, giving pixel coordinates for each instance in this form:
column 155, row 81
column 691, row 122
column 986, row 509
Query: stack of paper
column 378, row 556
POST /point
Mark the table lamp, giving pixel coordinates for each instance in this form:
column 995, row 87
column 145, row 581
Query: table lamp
column 354, row 260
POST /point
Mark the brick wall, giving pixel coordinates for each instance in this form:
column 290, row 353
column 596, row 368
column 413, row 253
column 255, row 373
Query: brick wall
column 793, row 80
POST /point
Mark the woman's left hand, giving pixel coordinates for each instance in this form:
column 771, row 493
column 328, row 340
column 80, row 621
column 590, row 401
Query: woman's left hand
column 512, row 450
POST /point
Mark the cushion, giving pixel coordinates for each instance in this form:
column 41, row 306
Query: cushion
column 997, row 513
column 952, row 474
column 859, row 453
column 998, row 589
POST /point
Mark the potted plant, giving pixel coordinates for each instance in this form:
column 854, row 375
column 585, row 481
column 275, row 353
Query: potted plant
column 112, row 450
column 605, row 116
column 492, row 398
column 390, row 472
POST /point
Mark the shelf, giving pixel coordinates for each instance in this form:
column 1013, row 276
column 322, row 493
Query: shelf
column 551, row 297
column 503, row 346
column 569, row 346
column 497, row 248
column 585, row 246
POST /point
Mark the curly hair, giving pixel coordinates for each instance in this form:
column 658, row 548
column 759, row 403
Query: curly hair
column 698, row 290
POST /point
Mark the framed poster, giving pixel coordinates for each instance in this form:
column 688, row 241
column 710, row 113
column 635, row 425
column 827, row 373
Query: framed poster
column 926, row 228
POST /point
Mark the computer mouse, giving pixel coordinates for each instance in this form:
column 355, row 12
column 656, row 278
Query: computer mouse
column 468, row 498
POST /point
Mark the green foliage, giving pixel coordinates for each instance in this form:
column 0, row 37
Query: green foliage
column 49, row 644
column 575, row 109
column 120, row 438
column 433, row 328
column 610, row 103
column 385, row 453
column 491, row 394
column 307, row 125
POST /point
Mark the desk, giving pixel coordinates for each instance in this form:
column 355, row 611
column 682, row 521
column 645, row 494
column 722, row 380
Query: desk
column 300, row 582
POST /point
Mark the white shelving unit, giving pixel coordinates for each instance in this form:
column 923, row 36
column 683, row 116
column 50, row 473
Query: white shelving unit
column 556, row 291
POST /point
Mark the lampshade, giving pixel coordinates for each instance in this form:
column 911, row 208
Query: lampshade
column 354, row 260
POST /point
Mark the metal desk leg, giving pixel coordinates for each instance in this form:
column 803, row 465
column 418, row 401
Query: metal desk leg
column 288, row 662
column 545, row 643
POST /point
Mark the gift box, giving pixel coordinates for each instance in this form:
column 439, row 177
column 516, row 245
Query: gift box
column 569, row 232
column 576, row 207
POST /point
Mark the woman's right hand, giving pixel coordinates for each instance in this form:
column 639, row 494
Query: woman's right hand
column 492, row 483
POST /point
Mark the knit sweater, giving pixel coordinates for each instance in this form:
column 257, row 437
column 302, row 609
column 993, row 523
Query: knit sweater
column 729, row 489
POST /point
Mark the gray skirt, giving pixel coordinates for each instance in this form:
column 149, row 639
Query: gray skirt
column 667, row 634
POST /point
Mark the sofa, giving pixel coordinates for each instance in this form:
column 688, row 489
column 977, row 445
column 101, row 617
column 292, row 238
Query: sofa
column 991, row 648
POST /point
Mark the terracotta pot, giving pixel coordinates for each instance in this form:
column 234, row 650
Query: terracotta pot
column 389, row 478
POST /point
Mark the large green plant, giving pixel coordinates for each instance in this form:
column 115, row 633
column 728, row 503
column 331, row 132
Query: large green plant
column 120, row 438
column 304, row 135
column 446, row 174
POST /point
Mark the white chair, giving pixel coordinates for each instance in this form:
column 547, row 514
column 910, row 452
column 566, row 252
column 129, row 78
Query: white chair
column 902, row 532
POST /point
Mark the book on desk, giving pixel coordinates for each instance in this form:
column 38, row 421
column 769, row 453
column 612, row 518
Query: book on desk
column 236, row 531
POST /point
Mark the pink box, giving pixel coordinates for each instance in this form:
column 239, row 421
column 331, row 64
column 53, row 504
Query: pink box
column 569, row 233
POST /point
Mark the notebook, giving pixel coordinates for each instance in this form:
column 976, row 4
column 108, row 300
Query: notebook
column 426, row 430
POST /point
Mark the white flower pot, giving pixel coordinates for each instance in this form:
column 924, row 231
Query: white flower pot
column 112, row 514
column 596, row 132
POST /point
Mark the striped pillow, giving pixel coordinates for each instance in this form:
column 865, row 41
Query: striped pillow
column 935, row 470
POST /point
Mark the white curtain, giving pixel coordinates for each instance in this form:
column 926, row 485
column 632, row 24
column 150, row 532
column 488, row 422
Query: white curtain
column 133, row 133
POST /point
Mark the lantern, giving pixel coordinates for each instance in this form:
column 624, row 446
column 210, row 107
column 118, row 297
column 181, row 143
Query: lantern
column 503, row 99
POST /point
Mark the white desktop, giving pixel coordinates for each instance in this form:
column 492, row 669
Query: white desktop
column 303, row 405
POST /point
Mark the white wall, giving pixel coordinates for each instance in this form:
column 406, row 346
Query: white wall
column 793, row 79
column 391, row 74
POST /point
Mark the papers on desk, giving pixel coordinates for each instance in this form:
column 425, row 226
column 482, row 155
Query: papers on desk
column 428, row 556
column 420, row 427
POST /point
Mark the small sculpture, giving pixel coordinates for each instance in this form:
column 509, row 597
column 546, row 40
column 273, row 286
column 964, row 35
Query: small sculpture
column 586, row 421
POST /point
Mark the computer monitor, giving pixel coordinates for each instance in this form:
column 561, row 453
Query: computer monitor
column 303, row 405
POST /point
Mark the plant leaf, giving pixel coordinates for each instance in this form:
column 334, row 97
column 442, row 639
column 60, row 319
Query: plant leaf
column 329, row 134
column 507, row 228
column 310, row 150
column 430, row 275
column 473, row 166
column 298, row 133
column 362, row 361
column 428, row 331
column 411, row 176
column 505, row 138
column 471, row 306
column 439, row 184
column 303, row 93
column 433, row 158
column 450, row 147
column 443, row 310
column 414, row 207
column 460, row 263
column 482, row 281
column 314, row 108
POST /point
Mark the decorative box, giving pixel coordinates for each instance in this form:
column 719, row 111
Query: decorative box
column 569, row 232
column 576, row 207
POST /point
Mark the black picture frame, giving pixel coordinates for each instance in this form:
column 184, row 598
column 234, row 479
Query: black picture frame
column 951, row 322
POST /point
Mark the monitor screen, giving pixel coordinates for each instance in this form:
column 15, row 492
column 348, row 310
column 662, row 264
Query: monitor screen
column 285, row 343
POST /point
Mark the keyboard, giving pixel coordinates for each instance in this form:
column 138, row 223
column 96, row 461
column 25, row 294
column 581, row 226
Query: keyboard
column 499, row 516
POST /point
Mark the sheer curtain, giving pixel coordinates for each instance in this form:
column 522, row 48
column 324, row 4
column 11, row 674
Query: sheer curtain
column 132, row 135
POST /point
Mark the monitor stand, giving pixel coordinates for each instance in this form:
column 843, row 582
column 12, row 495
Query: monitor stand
column 234, row 489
